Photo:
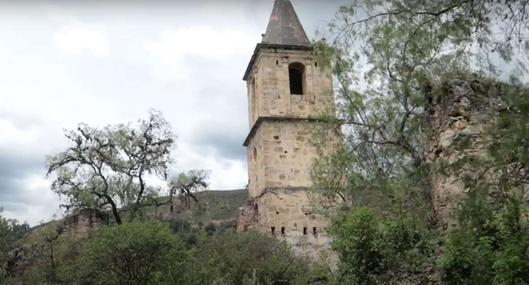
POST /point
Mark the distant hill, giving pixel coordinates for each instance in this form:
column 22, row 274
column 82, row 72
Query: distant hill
column 212, row 207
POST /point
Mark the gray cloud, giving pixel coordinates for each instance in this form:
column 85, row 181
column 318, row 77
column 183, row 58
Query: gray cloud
column 16, row 165
column 224, row 140
column 16, row 196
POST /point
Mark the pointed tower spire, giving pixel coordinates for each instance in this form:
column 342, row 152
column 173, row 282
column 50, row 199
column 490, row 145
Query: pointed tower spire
column 284, row 27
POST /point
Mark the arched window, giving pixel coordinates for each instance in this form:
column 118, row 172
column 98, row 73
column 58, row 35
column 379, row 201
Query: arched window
column 296, row 73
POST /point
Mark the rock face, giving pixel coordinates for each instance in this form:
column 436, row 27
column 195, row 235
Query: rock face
column 288, row 91
column 460, row 112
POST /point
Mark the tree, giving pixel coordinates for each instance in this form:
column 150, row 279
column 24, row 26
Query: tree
column 107, row 168
column 386, row 55
column 388, row 58
column 187, row 184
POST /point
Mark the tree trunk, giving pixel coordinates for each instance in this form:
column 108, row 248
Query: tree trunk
column 115, row 211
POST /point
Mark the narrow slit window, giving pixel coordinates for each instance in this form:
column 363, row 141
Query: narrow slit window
column 282, row 230
column 273, row 230
column 296, row 73
column 314, row 231
column 305, row 231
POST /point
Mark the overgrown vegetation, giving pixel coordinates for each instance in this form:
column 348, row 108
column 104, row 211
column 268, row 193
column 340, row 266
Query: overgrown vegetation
column 390, row 60
column 150, row 253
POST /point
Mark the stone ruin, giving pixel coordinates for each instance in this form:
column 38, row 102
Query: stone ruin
column 460, row 112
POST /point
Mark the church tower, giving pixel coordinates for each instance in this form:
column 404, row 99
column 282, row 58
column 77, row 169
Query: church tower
column 288, row 90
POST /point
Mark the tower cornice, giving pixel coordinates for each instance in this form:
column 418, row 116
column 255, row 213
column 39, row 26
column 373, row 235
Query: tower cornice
column 275, row 47
column 261, row 120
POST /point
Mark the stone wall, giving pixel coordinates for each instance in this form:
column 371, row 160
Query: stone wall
column 280, row 155
column 280, row 151
column 460, row 112
column 269, row 88
column 289, row 215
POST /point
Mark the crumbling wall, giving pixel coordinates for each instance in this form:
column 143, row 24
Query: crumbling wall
column 460, row 112
column 83, row 221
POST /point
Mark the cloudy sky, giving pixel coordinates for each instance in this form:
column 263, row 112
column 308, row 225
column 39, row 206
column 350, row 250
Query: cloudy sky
column 107, row 62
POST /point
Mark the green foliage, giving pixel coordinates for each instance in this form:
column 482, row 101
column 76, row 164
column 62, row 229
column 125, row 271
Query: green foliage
column 489, row 249
column 387, row 58
column 248, row 258
column 149, row 253
column 491, row 242
column 4, row 247
column 381, row 251
column 11, row 231
column 134, row 253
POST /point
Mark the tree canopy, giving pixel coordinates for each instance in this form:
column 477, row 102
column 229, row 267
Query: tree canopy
column 390, row 60
column 108, row 169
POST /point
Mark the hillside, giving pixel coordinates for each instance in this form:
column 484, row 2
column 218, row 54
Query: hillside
column 216, row 209
column 212, row 207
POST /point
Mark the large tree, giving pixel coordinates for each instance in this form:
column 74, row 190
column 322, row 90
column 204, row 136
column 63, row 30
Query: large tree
column 388, row 57
column 107, row 169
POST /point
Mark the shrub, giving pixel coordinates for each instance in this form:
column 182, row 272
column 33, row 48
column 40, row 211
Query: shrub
column 495, row 251
column 373, row 250
column 238, row 259
column 135, row 253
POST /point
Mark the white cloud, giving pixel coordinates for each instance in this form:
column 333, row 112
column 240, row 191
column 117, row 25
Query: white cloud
column 13, row 135
column 225, row 174
column 173, row 54
column 81, row 38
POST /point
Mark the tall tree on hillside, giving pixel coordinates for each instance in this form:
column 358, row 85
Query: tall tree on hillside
column 187, row 183
column 107, row 168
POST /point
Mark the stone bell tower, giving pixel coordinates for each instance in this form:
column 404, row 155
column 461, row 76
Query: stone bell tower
column 288, row 90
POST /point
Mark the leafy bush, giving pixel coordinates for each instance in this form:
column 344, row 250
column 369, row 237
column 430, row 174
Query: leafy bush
column 492, row 248
column 135, row 253
column 248, row 258
column 381, row 251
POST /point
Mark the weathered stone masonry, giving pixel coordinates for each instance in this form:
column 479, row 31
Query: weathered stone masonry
column 461, row 110
column 287, row 92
